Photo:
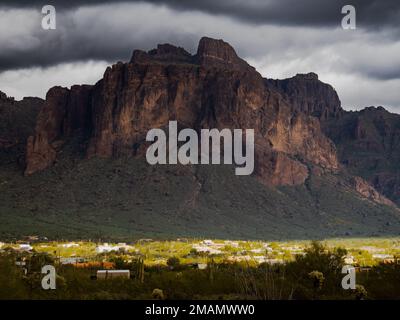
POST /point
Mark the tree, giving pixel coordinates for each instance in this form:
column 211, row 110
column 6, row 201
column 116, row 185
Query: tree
column 173, row 262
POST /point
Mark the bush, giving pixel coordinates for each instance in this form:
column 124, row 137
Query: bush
column 173, row 262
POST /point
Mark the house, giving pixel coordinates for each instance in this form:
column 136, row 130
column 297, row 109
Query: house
column 205, row 249
column 274, row 261
column 25, row 247
column 70, row 245
column 202, row 266
column 113, row 274
column 267, row 247
column 381, row 256
column 208, row 242
column 107, row 248
column 257, row 251
column 71, row 260
column 239, row 258
column 260, row 259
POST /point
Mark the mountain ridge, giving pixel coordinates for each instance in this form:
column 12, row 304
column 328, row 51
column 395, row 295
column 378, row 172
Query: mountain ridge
column 300, row 151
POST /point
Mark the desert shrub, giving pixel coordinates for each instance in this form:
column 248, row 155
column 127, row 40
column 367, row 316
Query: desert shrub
column 173, row 262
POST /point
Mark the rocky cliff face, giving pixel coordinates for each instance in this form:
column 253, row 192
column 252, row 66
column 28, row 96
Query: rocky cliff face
column 307, row 94
column 64, row 113
column 17, row 122
column 212, row 89
column 368, row 144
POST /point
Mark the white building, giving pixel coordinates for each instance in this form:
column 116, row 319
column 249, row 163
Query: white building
column 25, row 247
column 257, row 250
column 381, row 256
column 70, row 245
column 205, row 249
column 208, row 242
column 72, row 260
column 109, row 248
column 113, row 274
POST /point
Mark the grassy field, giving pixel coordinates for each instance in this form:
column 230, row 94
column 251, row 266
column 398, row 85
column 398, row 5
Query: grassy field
column 122, row 199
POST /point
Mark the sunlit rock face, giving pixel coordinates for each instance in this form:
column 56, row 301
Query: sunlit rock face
column 213, row 88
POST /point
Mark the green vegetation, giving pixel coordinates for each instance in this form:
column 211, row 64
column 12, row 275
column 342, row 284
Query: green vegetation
column 173, row 270
column 126, row 198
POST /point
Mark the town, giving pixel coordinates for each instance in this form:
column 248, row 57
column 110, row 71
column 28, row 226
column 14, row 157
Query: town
column 202, row 268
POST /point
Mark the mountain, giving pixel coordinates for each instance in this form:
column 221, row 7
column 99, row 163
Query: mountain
column 368, row 145
column 17, row 122
column 85, row 173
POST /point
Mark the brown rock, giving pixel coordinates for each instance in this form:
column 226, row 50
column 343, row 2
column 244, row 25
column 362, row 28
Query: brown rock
column 212, row 89
column 307, row 94
column 367, row 191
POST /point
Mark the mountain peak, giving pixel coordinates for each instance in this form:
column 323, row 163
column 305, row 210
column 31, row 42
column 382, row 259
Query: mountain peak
column 3, row 96
column 307, row 76
column 164, row 53
column 218, row 53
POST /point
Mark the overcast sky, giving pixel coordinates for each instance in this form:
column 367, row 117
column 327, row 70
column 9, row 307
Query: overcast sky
column 280, row 38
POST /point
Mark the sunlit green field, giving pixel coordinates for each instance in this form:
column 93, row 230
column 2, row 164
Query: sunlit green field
column 203, row 269
column 200, row 250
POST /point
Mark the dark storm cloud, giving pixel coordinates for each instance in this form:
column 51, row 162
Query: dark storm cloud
column 110, row 32
column 370, row 13
column 280, row 38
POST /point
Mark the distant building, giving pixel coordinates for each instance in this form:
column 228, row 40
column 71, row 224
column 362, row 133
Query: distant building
column 113, row 274
column 70, row 245
column 205, row 249
column 106, row 248
column 381, row 256
column 257, row 250
column 72, row 260
column 274, row 261
column 25, row 247
column 260, row 259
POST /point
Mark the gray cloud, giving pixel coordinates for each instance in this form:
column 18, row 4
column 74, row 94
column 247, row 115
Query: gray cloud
column 354, row 62
column 370, row 13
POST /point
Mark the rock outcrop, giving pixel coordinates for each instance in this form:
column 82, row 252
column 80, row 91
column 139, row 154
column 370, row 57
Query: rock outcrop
column 17, row 123
column 65, row 112
column 367, row 191
column 212, row 89
column 368, row 143
column 307, row 94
